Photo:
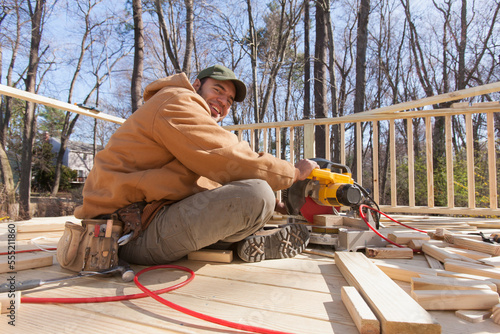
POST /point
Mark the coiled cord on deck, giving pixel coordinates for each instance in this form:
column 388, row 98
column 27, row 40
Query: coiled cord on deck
column 155, row 295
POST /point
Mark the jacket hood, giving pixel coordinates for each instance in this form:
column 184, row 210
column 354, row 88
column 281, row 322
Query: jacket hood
column 177, row 80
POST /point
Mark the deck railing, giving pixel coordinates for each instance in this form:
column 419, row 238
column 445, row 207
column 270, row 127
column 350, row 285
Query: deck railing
column 296, row 139
column 271, row 140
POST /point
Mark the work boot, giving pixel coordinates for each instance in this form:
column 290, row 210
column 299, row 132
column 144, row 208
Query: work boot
column 274, row 243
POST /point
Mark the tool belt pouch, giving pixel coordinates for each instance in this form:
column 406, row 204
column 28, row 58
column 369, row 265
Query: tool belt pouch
column 91, row 246
column 131, row 217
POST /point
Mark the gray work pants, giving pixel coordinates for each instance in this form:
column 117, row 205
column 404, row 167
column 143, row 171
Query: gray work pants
column 229, row 213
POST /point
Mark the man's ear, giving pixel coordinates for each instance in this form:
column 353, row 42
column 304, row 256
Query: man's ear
column 197, row 84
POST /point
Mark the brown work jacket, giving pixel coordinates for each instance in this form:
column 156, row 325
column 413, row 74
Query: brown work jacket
column 169, row 149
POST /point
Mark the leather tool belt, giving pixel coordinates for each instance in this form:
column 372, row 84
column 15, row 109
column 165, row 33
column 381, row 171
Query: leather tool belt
column 91, row 246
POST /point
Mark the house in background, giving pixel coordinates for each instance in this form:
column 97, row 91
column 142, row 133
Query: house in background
column 79, row 156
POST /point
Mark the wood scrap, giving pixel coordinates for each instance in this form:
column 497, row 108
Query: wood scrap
column 389, row 253
column 25, row 261
column 443, row 254
column 404, row 238
column 360, row 312
column 391, row 307
column 402, row 272
column 27, row 226
column 433, row 262
column 471, row 254
column 472, row 268
column 449, row 283
column 477, row 245
column 416, row 244
column 492, row 261
column 450, row 238
column 447, row 273
column 212, row 255
column 328, row 220
column 33, row 235
column 496, row 314
column 473, row 316
column 456, row 299
column 440, row 233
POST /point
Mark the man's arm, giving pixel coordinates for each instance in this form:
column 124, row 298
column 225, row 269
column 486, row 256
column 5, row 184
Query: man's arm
column 303, row 169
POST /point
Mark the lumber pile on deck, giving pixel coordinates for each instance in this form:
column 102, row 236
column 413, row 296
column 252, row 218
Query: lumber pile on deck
column 463, row 276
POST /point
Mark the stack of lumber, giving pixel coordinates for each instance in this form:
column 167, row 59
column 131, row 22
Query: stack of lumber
column 390, row 304
column 463, row 273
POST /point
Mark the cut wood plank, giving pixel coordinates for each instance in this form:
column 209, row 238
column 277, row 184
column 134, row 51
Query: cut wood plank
column 472, row 268
column 402, row 272
column 328, row 220
column 391, row 307
column 24, row 227
column 456, row 299
column 496, row 314
column 433, row 262
column 471, row 254
column 212, row 255
column 449, row 283
column 389, row 253
column 450, row 238
column 440, row 233
column 416, row 244
column 473, row 316
column 360, row 312
column 403, row 238
column 33, row 235
column 447, row 273
column 442, row 254
column 492, row 261
column 477, row 245
column 24, row 261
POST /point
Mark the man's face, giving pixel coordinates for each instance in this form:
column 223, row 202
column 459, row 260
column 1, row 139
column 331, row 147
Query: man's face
column 218, row 94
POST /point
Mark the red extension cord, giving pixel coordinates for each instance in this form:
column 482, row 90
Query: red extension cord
column 361, row 213
column 155, row 294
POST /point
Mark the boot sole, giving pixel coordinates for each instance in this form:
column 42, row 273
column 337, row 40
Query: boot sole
column 286, row 242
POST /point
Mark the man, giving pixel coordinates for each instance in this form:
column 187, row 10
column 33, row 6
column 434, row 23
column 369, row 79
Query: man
column 202, row 185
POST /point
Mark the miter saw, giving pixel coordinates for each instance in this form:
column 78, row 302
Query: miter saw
column 326, row 192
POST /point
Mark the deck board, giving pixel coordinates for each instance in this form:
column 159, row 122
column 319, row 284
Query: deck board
column 299, row 295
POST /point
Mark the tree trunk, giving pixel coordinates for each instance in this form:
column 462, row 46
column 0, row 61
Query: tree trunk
column 361, row 46
column 172, row 54
column 186, row 66
column 137, row 72
column 320, row 70
column 335, row 140
column 5, row 115
column 307, row 63
column 29, row 117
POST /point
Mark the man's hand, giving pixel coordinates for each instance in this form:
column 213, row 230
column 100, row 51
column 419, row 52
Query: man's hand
column 280, row 207
column 305, row 167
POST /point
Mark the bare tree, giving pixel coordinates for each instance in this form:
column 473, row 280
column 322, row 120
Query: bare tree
column 36, row 11
column 168, row 35
column 307, row 62
column 361, row 47
column 137, row 72
column 6, row 108
column 320, row 71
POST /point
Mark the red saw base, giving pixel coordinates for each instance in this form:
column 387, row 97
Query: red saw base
column 311, row 208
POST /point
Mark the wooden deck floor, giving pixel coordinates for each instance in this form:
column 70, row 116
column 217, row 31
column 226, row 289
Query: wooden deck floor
column 299, row 295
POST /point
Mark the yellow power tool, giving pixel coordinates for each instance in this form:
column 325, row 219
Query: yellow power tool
column 325, row 191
